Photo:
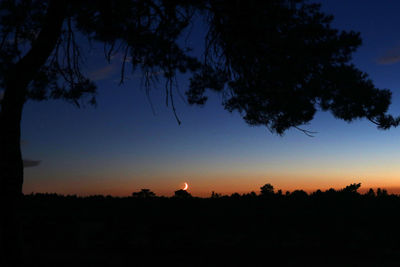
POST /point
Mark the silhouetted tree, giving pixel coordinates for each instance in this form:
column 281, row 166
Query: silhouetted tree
column 381, row 192
column 279, row 193
column 144, row 193
column 331, row 191
column 252, row 194
column 316, row 194
column 384, row 192
column 267, row 190
column 235, row 195
column 182, row 194
column 351, row 189
column 215, row 195
column 280, row 61
column 41, row 58
column 370, row 193
column 299, row 194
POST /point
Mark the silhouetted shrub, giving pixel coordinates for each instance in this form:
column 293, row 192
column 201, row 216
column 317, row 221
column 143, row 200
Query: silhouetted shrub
column 299, row 194
column 144, row 193
column 182, row 194
column 215, row 195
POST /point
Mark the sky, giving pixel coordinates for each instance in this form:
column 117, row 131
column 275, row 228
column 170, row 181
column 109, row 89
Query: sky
column 131, row 141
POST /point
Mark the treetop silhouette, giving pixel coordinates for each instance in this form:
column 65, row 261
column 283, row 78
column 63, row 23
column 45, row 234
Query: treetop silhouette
column 144, row 193
column 182, row 194
column 278, row 62
column 267, row 190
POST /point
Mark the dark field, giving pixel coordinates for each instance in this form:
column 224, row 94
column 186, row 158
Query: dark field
column 333, row 228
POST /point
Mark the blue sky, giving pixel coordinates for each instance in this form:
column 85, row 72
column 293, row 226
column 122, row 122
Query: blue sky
column 122, row 145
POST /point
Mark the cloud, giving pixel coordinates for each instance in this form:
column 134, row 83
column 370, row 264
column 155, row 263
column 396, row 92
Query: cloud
column 103, row 73
column 31, row 163
column 120, row 57
column 106, row 72
column 392, row 56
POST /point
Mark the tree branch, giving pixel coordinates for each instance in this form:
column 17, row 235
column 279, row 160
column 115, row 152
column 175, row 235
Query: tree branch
column 42, row 46
column 306, row 132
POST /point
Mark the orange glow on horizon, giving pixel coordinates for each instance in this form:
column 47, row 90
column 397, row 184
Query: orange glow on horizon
column 202, row 184
column 201, row 192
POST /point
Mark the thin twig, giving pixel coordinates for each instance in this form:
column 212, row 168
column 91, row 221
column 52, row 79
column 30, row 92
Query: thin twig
column 306, row 132
column 123, row 65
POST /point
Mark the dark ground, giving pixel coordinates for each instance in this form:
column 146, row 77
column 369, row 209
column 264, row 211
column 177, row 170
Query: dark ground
column 323, row 229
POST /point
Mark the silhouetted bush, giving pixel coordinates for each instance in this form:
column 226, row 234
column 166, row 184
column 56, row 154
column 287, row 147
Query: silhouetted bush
column 144, row 193
column 215, row 195
column 182, row 194
column 299, row 195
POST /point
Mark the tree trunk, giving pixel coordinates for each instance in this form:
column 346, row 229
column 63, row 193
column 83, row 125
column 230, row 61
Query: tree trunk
column 11, row 178
column 11, row 164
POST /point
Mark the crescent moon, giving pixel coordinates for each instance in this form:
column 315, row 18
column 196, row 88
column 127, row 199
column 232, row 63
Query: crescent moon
column 186, row 186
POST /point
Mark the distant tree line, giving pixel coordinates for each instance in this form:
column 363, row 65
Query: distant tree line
column 270, row 224
column 267, row 191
